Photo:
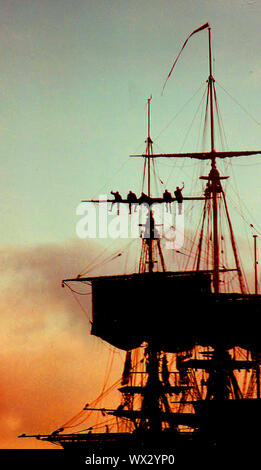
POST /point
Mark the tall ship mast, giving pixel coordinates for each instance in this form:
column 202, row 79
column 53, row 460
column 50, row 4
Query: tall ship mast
column 192, row 365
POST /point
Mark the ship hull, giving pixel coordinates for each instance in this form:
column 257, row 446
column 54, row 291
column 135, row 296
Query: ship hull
column 230, row 429
column 166, row 449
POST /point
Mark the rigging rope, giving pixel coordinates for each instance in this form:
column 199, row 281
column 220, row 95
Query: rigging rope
column 205, row 121
column 86, row 313
column 72, row 290
column 237, row 102
column 69, row 424
column 179, row 112
column 186, row 136
column 92, row 266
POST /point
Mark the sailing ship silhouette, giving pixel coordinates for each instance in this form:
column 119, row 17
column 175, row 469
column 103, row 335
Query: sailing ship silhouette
column 189, row 337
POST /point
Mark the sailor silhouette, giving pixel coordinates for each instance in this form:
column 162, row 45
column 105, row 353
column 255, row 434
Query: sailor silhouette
column 179, row 197
column 117, row 198
column 132, row 199
column 168, row 199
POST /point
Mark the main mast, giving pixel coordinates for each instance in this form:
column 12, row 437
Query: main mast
column 213, row 175
column 151, row 219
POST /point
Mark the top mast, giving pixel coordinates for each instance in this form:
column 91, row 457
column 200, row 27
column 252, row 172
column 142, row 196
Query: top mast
column 149, row 146
column 210, row 84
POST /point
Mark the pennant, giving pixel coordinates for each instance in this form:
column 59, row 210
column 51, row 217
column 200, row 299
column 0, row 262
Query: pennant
column 204, row 26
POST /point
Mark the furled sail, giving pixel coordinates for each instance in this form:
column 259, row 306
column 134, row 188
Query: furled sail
column 174, row 312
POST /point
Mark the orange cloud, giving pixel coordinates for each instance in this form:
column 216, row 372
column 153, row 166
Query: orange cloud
column 45, row 372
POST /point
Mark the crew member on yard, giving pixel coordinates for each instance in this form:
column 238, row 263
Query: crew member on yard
column 179, row 197
column 132, row 199
column 144, row 199
column 117, row 198
column 168, row 199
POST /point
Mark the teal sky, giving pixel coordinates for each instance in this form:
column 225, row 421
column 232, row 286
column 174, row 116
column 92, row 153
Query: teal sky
column 75, row 76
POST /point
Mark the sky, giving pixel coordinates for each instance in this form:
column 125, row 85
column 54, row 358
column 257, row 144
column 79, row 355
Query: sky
column 75, row 77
